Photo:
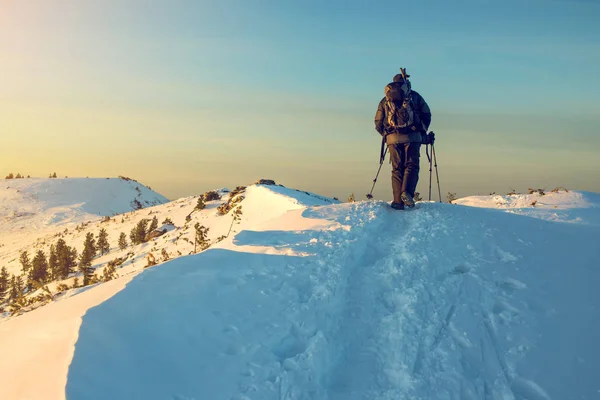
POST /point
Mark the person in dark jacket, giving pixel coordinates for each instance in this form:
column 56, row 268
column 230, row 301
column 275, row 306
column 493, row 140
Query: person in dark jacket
column 404, row 143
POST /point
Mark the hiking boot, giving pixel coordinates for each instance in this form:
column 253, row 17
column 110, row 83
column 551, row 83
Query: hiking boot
column 397, row 206
column 407, row 199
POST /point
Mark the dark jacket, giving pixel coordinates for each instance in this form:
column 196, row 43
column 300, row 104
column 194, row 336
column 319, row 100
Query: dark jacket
column 407, row 135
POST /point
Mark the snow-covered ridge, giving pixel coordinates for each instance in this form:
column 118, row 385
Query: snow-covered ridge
column 61, row 200
column 559, row 206
column 312, row 299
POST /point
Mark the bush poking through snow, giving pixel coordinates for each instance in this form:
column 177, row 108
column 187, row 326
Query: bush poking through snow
column 211, row 195
column 201, row 238
column 538, row 191
column 62, row 287
column 265, row 182
column 450, row 197
column 235, row 198
column 200, row 205
column 236, row 191
column 237, row 217
column 151, row 260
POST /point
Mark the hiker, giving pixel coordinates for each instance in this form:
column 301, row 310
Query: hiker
column 402, row 119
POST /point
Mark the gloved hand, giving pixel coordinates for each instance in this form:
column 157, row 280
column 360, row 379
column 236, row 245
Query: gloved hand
column 430, row 138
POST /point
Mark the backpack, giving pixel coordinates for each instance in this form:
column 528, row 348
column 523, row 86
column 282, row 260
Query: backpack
column 398, row 106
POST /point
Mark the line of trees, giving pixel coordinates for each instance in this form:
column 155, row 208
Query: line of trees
column 13, row 176
column 19, row 176
column 62, row 262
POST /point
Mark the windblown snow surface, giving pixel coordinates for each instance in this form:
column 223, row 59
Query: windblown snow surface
column 315, row 300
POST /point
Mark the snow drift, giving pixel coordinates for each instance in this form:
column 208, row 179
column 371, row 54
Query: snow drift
column 316, row 300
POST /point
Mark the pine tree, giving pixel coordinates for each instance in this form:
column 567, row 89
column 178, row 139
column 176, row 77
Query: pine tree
column 87, row 255
column 14, row 289
column 39, row 269
column 122, row 241
column 53, row 263
column 153, row 224
column 138, row 233
column 351, row 198
column 66, row 259
column 20, row 285
column 89, row 249
column 103, row 246
column 25, row 262
column 4, row 284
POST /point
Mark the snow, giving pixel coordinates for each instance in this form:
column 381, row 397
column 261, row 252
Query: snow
column 560, row 206
column 37, row 347
column 35, row 210
column 311, row 299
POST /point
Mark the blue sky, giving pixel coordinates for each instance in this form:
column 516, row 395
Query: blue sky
column 223, row 93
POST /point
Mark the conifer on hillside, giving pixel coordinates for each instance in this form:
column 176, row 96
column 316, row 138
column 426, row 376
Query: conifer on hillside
column 53, row 263
column 85, row 260
column 138, row 233
column 14, row 288
column 4, row 284
column 66, row 259
column 39, row 269
column 123, row 241
column 153, row 224
column 102, row 245
column 25, row 262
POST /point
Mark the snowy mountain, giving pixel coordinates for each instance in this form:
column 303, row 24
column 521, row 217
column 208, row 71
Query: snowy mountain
column 306, row 298
column 33, row 210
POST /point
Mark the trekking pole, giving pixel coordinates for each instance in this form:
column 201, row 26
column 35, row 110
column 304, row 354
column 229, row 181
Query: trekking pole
column 429, row 159
column 381, row 159
column 436, row 171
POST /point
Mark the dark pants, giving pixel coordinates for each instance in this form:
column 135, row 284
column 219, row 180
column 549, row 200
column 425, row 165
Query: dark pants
column 405, row 168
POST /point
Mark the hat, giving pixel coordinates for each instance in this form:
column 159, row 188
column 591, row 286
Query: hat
column 398, row 78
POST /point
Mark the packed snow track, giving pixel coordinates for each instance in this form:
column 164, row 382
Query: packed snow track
column 442, row 302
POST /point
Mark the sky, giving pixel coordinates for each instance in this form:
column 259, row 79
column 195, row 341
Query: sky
column 186, row 96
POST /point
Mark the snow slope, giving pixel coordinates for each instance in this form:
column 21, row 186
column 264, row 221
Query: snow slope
column 314, row 300
column 563, row 206
column 35, row 209
column 60, row 200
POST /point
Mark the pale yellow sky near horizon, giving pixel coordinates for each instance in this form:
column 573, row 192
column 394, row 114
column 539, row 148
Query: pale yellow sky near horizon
column 181, row 152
